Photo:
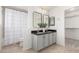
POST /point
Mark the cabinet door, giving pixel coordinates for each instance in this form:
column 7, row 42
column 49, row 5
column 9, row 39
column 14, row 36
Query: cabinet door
column 54, row 38
column 50, row 38
column 34, row 42
column 40, row 42
column 45, row 40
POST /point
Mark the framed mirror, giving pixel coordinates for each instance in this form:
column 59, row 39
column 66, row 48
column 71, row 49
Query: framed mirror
column 37, row 18
column 46, row 19
column 52, row 21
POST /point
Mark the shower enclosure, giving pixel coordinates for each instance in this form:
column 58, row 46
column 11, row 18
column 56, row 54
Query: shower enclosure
column 14, row 26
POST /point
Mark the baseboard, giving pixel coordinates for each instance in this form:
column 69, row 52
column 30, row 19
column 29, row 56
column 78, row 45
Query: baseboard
column 60, row 45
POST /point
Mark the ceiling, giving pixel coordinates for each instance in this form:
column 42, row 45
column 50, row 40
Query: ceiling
column 47, row 7
column 43, row 7
column 74, row 8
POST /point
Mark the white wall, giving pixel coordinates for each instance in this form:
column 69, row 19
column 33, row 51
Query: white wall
column 27, row 41
column 58, row 12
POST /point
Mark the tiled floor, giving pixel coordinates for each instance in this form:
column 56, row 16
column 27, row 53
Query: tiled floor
column 72, row 46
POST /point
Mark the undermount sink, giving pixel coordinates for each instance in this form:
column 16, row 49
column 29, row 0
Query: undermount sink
column 43, row 31
column 40, row 32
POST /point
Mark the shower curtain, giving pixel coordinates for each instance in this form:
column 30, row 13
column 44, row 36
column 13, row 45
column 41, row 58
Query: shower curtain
column 14, row 26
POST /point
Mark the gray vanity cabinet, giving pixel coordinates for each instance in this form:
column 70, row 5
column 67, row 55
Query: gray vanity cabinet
column 40, row 41
column 43, row 40
column 37, row 42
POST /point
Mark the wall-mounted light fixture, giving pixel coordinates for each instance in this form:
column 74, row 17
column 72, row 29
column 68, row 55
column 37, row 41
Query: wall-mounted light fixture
column 43, row 11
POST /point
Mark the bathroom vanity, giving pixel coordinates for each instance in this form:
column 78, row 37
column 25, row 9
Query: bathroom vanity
column 41, row 40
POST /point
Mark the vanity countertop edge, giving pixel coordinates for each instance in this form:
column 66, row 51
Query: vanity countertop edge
column 40, row 32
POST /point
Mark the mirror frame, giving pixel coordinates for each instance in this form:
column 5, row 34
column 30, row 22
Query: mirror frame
column 44, row 19
column 34, row 19
column 52, row 19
